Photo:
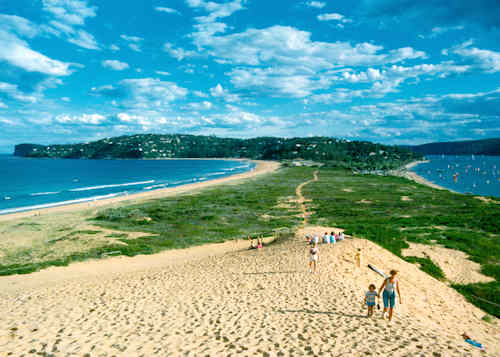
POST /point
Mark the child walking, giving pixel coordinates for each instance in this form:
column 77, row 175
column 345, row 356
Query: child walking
column 370, row 299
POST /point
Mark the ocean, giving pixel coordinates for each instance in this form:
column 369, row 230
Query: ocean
column 477, row 175
column 30, row 184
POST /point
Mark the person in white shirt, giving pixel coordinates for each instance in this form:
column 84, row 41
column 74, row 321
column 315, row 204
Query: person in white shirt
column 326, row 238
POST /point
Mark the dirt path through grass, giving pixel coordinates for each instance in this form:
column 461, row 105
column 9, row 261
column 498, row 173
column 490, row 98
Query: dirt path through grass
column 301, row 199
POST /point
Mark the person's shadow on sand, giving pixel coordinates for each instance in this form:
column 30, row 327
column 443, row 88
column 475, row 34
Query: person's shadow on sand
column 307, row 311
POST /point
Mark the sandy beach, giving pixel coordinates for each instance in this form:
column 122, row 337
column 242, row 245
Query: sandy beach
column 262, row 167
column 407, row 173
column 219, row 300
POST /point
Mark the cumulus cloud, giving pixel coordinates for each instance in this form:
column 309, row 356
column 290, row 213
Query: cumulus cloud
column 219, row 92
column 178, row 53
column 216, row 10
column 205, row 105
column 168, row 10
column 93, row 119
column 316, row 4
column 283, row 45
column 163, row 73
column 115, row 65
column 114, row 47
column 278, row 81
column 487, row 60
column 142, row 93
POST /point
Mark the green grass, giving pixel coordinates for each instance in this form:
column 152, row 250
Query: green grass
column 429, row 217
column 213, row 215
column 427, row 265
column 256, row 207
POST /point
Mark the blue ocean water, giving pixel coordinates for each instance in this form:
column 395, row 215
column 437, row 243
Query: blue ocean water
column 477, row 175
column 27, row 184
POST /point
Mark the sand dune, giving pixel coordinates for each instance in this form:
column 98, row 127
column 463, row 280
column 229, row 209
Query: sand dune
column 223, row 301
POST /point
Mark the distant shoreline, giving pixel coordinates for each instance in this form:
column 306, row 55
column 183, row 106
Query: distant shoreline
column 262, row 167
column 406, row 172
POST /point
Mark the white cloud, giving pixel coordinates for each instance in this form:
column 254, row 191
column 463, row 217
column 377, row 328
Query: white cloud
column 167, row 10
column 69, row 16
column 316, row 4
column 200, row 94
column 219, row 92
column 284, row 45
column 17, row 52
column 487, row 60
column 178, row 53
column 133, row 42
column 12, row 91
column 73, row 12
column 114, row 47
column 131, row 38
column 163, row 73
column 135, row 47
column 205, row 105
column 333, row 17
column 215, row 10
column 80, row 119
column 19, row 25
column 85, row 40
column 66, row 99
column 142, row 93
column 115, row 65
column 278, row 81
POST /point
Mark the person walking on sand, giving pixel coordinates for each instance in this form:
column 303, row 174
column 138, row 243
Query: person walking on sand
column 390, row 286
column 313, row 257
column 357, row 258
column 326, row 239
column 370, row 297
column 332, row 237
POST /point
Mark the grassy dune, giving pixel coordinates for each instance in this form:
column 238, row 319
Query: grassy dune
column 393, row 211
column 255, row 207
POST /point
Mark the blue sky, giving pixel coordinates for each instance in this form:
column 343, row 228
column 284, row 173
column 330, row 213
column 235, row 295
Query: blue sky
column 396, row 72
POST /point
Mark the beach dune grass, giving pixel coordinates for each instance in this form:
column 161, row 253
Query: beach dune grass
column 371, row 207
column 212, row 215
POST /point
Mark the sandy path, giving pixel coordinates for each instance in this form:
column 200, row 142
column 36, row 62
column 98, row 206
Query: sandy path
column 263, row 167
column 302, row 200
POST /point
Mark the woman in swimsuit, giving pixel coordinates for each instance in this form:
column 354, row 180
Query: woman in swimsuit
column 390, row 286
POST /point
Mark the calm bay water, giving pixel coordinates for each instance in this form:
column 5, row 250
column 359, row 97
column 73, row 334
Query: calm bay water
column 27, row 184
column 478, row 175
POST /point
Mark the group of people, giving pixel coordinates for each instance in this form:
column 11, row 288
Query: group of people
column 390, row 286
column 313, row 241
column 256, row 243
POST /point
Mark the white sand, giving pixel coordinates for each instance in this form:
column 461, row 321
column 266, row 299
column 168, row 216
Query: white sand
column 216, row 301
column 455, row 264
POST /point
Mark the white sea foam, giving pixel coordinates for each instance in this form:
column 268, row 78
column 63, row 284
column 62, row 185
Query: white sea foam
column 109, row 186
column 54, row 204
column 155, row 186
column 45, row 193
